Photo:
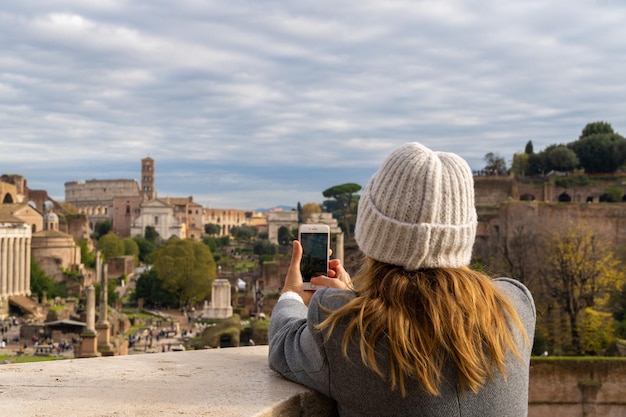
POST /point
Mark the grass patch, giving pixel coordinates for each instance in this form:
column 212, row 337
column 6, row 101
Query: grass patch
column 579, row 358
column 28, row 358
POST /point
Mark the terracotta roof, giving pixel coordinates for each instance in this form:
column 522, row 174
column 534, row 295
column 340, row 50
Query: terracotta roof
column 51, row 233
column 6, row 213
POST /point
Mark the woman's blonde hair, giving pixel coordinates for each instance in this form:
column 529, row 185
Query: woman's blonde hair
column 428, row 316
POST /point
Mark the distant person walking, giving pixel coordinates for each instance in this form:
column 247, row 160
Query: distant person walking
column 417, row 332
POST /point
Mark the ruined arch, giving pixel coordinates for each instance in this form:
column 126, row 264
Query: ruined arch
column 527, row 197
column 565, row 198
column 276, row 220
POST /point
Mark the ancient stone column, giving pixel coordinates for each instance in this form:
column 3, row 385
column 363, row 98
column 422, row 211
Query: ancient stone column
column 90, row 293
column 9, row 265
column 101, row 277
column 17, row 266
column 89, row 345
column 220, row 301
column 27, row 280
column 103, row 327
column 3, row 272
column 4, row 296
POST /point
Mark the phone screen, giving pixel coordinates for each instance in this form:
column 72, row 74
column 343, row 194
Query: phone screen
column 314, row 255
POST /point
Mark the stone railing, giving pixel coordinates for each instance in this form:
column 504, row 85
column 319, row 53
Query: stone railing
column 218, row 382
column 237, row 382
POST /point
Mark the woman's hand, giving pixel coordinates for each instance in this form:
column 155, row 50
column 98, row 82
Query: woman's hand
column 337, row 276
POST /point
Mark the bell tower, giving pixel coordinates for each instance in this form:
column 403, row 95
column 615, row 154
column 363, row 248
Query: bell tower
column 147, row 178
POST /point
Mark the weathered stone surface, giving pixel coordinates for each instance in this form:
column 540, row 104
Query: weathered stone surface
column 218, row 382
column 575, row 387
column 237, row 382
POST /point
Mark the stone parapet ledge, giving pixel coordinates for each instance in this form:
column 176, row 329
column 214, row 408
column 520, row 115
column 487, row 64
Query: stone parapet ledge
column 589, row 387
column 219, row 382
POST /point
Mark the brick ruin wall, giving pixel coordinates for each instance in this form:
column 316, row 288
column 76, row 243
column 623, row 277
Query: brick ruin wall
column 501, row 214
column 577, row 388
column 492, row 190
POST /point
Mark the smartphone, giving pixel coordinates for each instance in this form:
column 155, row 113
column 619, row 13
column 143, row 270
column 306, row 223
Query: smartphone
column 315, row 241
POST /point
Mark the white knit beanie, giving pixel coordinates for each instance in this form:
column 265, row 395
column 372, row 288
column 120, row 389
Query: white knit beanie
column 417, row 211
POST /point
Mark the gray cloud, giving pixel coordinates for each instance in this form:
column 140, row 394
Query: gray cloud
column 248, row 104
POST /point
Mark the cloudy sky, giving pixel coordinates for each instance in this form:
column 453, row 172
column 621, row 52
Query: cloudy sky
column 249, row 104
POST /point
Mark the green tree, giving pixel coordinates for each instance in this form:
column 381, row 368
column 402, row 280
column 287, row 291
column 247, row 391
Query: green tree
column 111, row 246
column 331, row 206
column 536, row 164
column 102, row 229
column 264, row 249
column 150, row 288
column 299, row 209
column 286, row 236
column 152, row 235
column 599, row 149
column 618, row 307
column 495, row 164
column 41, row 283
column 212, row 243
column 613, row 194
column 146, row 249
column 597, row 331
column 244, row 232
column 310, row 209
column 212, row 229
column 596, row 128
column 529, row 148
column 581, row 273
column 561, row 158
column 186, row 268
column 344, row 195
column 520, row 164
column 216, row 243
column 131, row 248
column 87, row 255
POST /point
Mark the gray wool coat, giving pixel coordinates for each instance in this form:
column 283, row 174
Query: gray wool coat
column 298, row 352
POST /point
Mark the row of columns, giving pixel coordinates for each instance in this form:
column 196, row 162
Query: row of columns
column 14, row 260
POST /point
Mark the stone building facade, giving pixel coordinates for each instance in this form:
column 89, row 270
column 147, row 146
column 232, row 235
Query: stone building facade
column 279, row 219
column 15, row 249
column 160, row 215
column 29, row 215
column 125, row 209
column 226, row 219
column 492, row 190
column 8, row 193
column 53, row 249
column 96, row 198
column 123, row 201
column 148, row 176
column 188, row 213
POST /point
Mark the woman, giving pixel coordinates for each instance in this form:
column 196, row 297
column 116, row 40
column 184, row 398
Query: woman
column 416, row 332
